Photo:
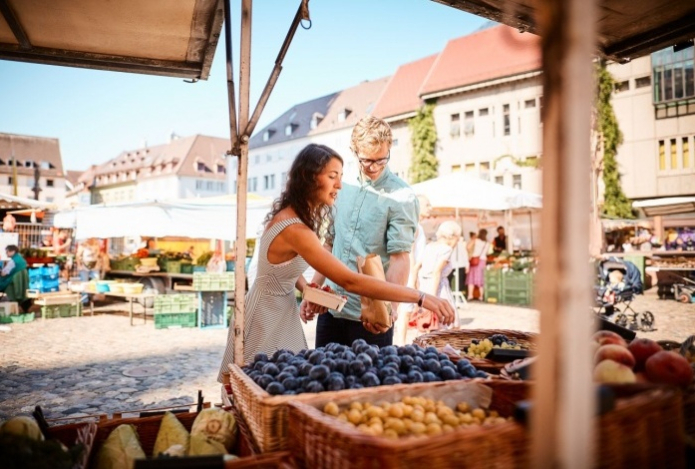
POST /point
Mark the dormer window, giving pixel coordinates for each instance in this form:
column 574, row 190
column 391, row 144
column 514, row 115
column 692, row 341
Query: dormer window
column 45, row 165
column 316, row 120
column 289, row 128
column 221, row 169
column 267, row 134
column 343, row 115
column 200, row 166
column 28, row 164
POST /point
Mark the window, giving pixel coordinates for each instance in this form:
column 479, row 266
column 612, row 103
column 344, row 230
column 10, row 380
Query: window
column 315, row 120
column 506, row 120
column 221, row 169
column 470, row 167
column 674, row 154
column 209, row 185
column 662, row 155
column 289, row 128
column 456, row 168
column 9, row 180
column 49, row 199
column 45, row 165
column 200, row 166
column 252, row 184
column 28, row 164
column 257, row 159
column 643, row 81
column 49, row 183
column 468, row 123
column 272, row 181
column 199, row 184
column 673, row 74
column 266, row 182
column 268, row 158
column 499, row 180
column 529, row 103
column 516, row 181
column 267, row 134
column 343, row 115
column 540, row 107
column 283, row 178
column 483, row 112
column 686, row 152
column 454, row 126
column 622, row 86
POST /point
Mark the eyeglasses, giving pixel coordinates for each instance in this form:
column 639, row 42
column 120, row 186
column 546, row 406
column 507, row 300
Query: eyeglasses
column 367, row 163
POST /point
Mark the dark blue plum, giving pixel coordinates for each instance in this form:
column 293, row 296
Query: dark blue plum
column 481, row 374
column 280, row 352
column 415, row 377
column 391, row 380
column 290, row 384
column 372, row 369
column 410, row 350
column 419, row 361
column 254, row 374
column 316, row 357
column 260, row 357
column 387, row 371
column 282, row 376
column 349, row 355
column 275, row 388
column 372, row 352
column 332, row 346
column 430, row 355
column 379, row 363
column 406, row 362
column 291, row 369
column 335, row 383
column 319, row 372
column 403, row 377
column 357, row 368
column 264, row 380
column 284, row 358
column 258, row 366
column 356, row 386
column 420, row 353
column 429, row 377
column 270, row 369
column 432, row 365
column 389, row 350
column 351, row 380
column 370, row 380
column 468, row 371
column 296, row 361
column 314, row 386
column 461, row 364
column 447, row 373
column 431, row 349
column 247, row 369
column 393, row 359
column 305, row 368
column 442, row 356
column 358, row 343
column 329, row 362
column 366, row 359
column 290, row 392
column 281, row 365
column 342, row 366
column 448, row 363
column 414, row 368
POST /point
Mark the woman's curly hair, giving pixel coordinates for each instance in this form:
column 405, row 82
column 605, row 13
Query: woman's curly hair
column 302, row 186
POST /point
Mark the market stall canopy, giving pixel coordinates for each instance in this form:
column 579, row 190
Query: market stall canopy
column 666, row 206
column 207, row 218
column 158, row 37
column 626, row 30
column 13, row 202
column 459, row 190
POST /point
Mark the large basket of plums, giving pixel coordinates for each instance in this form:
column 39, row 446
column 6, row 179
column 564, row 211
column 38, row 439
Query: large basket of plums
column 262, row 390
column 486, row 349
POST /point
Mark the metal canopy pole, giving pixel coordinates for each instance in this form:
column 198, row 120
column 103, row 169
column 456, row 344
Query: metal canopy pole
column 562, row 421
column 240, row 141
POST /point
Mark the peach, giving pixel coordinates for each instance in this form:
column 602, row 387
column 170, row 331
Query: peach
column 642, row 349
column 668, row 368
column 640, row 377
column 608, row 337
column 609, row 371
column 615, row 353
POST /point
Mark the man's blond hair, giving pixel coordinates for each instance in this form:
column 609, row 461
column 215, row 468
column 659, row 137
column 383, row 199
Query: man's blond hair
column 369, row 134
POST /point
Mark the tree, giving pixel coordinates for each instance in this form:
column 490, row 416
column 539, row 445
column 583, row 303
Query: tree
column 423, row 137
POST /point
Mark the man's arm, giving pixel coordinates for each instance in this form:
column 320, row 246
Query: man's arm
column 399, row 268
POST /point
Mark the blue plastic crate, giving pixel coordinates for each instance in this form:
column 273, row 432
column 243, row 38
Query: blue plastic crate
column 35, row 274
column 50, row 271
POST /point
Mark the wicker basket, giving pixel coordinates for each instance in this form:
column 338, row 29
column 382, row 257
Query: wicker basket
column 266, row 415
column 689, row 392
column 461, row 338
column 644, row 430
column 76, row 433
column 321, row 441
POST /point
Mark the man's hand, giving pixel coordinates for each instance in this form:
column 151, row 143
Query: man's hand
column 374, row 328
column 307, row 311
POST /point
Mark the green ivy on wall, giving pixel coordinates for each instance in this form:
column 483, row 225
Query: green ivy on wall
column 615, row 202
column 423, row 136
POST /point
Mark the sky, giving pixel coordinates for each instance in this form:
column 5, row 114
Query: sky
column 96, row 115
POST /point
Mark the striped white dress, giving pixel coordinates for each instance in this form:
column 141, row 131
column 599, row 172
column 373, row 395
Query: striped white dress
column 272, row 315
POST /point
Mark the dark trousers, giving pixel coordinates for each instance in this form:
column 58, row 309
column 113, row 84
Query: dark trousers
column 345, row 332
column 462, row 279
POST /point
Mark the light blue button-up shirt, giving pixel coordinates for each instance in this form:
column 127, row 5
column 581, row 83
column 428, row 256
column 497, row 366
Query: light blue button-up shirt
column 372, row 217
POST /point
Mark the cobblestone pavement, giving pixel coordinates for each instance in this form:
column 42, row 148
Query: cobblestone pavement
column 80, row 366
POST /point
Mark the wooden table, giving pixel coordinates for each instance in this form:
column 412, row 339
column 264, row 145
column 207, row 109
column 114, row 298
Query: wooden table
column 127, row 296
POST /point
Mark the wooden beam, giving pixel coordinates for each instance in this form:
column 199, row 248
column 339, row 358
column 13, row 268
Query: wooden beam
column 14, row 25
column 562, row 419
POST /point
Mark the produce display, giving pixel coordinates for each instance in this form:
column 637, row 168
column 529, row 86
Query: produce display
column 336, row 367
column 23, row 445
column 481, row 348
column 643, row 360
column 413, row 416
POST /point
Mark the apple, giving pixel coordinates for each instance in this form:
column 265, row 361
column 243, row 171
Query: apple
column 608, row 337
column 642, row 349
column 615, row 353
column 668, row 368
column 609, row 371
column 640, row 377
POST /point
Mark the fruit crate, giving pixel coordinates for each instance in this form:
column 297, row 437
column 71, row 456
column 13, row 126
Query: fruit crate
column 17, row 318
column 50, row 271
column 61, row 311
column 493, row 293
column 493, row 277
column 175, row 320
column 208, row 281
column 177, row 303
column 35, row 274
column 173, row 267
column 520, row 280
column 517, row 298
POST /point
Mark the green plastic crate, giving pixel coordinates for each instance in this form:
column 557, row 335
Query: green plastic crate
column 517, row 299
column 61, row 311
column 171, row 320
column 207, row 281
column 173, row 267
column 17, row 318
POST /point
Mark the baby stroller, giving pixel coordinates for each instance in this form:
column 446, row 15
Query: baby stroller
column 619, row 281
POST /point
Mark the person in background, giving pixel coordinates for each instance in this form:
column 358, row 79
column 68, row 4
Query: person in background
column 436, row 265
column 401, row 329
column 290, row 243
column 478, row 259
column 459, row 260
column 375, row 214
column 472, row 235
column 499, row 244
column 88, row 260
column 14, row 264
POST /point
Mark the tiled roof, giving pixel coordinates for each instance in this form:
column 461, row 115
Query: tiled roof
column 196, row 156
column 73, row 176
column 29, row 151
column 352, row 104
column 299, row 116
column 482, row 56
column 401, row 93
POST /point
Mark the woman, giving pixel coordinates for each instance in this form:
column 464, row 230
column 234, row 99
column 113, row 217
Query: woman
column 289, row 244
column 476, row 271
column 436, row 265
column 14, row 264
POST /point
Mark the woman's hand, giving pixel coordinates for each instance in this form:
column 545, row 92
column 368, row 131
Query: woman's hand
column 308, row 310
column 442, row 308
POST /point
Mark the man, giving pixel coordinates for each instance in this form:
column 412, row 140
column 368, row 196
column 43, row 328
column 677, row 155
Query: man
column 14, row 278
column 499, row 244
column 377, row 213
